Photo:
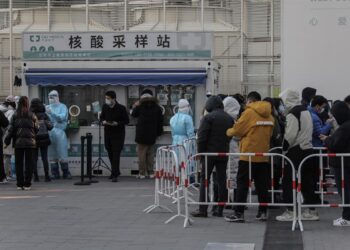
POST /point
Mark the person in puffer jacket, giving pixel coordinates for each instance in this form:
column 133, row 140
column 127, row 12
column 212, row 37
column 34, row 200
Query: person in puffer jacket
column 22, row 132
column 339, row 143
column 254, row 127
column 42, row 138
column 211, row 138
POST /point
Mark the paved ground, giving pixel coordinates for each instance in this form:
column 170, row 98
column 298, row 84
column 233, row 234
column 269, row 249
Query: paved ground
column 108, row 215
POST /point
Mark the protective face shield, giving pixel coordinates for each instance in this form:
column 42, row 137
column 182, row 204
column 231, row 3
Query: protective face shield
column 53, row 97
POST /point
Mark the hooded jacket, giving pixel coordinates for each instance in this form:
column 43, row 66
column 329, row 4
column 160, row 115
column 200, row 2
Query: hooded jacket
column 254, row 127
column 38, row 108
column 212, row 130
column 232, row 107
column 150, row 121
column 339, row 141
column 299, row 125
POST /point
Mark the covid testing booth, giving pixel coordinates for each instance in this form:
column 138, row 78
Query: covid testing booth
column 82, row 66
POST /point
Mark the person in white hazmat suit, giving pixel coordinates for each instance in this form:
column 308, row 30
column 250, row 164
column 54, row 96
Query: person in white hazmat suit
column 58, row 150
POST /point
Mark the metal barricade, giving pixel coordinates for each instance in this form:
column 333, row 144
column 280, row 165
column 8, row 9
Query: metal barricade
column 299, row 194
column 186, row 174
column 167, row 179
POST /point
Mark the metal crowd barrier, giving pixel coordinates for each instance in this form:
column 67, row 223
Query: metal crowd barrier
column 167, row 179
column 186, row 175
column 299, row 195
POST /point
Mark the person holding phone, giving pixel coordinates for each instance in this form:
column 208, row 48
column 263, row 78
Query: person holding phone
column 114, row 118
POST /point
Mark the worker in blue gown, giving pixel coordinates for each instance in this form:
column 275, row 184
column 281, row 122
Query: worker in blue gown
column 58, row 150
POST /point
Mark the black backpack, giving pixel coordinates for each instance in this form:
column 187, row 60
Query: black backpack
column 43, row 132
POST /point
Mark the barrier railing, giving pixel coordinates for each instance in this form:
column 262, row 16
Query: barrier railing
column 186, row 175
column 167, row 178
column 322, row 205
column 191, row 149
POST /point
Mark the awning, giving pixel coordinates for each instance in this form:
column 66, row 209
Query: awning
column 124, row 77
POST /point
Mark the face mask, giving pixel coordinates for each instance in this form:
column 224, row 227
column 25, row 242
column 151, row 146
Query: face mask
column 108, row 102
column 51, row 100
column 281, row 109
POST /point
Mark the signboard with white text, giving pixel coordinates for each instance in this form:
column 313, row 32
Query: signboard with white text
column 117, row 46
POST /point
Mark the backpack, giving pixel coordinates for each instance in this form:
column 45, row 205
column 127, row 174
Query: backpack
column 43, row 131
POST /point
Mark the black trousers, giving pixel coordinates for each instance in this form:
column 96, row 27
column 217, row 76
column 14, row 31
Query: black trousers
column 220, row 165
column 114, row 146
column 337, row 175
column 260, row 175
column 44, row 158
column 24, row 175
column 309, row 175
column 2, row 167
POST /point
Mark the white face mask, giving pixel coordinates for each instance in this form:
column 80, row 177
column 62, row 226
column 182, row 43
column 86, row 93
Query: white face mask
column 281, row 109
column 51, row 100
column 108, row 102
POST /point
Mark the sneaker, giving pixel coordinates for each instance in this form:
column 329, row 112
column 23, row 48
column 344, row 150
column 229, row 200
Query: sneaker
column 199, row 214
column 142, row 177
column 310, row 215
column 3, row 181
column 235, row 217
column 10, row 178
column 115, row 179
column 340, row 222
column 261, row 216
column 19, row 188
column 286, row 216
column 27, row 188
column 151, row 176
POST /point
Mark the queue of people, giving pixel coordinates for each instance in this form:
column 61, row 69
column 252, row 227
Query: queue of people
column 30, row 127
column 229, row 124
column 297, row 125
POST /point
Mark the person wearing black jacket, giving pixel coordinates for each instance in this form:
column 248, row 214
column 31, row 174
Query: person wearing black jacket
column 339, row 142
column 149, row 126
column 22, row 131
column 42, row 137
column 114, row 118
column 3, row 124
column 212, row 139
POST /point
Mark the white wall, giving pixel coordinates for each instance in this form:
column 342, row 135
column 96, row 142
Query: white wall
column 315, row 50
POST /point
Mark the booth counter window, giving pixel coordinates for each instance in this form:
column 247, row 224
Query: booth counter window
column 86, row 98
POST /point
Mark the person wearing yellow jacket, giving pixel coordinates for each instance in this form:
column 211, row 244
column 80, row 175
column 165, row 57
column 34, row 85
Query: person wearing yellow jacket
column 254, row 127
